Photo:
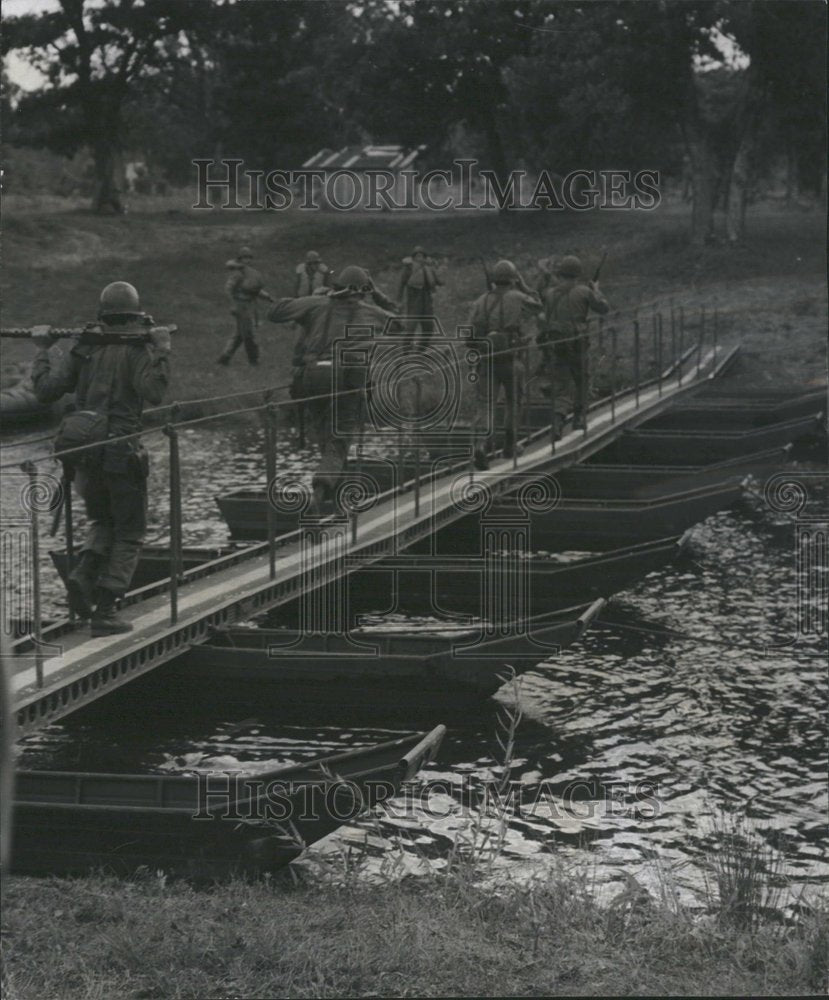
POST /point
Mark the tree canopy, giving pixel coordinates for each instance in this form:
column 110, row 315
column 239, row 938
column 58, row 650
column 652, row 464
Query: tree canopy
column 536, row 83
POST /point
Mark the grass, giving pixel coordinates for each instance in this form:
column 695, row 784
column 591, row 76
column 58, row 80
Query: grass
column 328, row 931
column 433, row 936
column 58, row 256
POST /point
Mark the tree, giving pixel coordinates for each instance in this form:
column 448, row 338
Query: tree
column 92, row 57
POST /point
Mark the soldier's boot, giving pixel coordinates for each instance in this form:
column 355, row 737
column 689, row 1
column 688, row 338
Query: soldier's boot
column 558, row 426
column 579, row 422
column 105, row 621
column 80, row 585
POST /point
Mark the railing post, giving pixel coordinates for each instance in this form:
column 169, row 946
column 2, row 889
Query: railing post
column 673, row 335
column 636, row 356
column 270, row 477
column 716, row 333
column 175, row 520
column 514, row 404
column 701, row 338
column 681, row 342
column 659, row 353
column 69, row 529
column 613, row 375
column 584, row 374
column 551, row 372
column 30, row 469
column 418, row 411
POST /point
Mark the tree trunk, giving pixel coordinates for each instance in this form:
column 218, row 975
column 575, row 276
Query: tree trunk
column 702, row 173
column 109, row 175
column 735, row 219
column 747, row 119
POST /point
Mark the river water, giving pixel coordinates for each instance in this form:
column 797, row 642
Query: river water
column 632, row 745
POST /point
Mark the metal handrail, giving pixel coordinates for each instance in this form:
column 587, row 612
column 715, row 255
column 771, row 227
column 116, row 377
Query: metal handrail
column 270, row 410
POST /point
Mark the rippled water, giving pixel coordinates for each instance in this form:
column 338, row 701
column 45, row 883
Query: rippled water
column 678, row 729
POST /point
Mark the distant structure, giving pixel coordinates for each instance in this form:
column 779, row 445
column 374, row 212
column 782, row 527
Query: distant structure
column 339, row 188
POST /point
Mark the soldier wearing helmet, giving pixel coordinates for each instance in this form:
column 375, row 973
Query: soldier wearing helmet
column 111, row 382
column 497, row 316
column 312, row 276
column 563, row 341
column 418, row 280
column 244, row 286
column 318, row 374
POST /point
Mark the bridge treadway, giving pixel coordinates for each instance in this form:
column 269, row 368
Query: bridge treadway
column 78, row 669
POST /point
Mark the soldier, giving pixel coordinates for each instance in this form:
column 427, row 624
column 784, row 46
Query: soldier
column 111, row 382
column 497, row 316
column 317, row 374
column 417, row 282
column 312, row 276
column 564, row 342
column 244, row 286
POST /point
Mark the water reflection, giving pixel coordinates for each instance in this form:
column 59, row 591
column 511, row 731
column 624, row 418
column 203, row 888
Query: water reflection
column 718, row 721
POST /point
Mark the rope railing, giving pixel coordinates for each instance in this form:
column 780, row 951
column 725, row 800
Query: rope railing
column 595, row 335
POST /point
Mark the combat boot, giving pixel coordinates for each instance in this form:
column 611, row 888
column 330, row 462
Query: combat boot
column 80, row 585
column 579, row 422
column 480, row 460
column 104, row 619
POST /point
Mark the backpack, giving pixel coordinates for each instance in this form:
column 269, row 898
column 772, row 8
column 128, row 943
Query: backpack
column 82, row 427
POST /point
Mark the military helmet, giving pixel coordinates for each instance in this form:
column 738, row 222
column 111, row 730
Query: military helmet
column 354, row 278
column 312, row 257
column 118, row 299
column 246, row 252
column 418, row 250
column 504, row 272
column 569, row 267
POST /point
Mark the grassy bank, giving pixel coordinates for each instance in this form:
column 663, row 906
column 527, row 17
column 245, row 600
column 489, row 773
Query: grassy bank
column 58, row 256
column 101, row 938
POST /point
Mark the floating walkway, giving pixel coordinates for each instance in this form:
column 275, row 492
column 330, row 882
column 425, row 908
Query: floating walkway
column 66, row 668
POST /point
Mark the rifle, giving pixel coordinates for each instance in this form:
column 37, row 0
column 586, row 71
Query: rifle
column 488, row 274
column 598, row 270
column 94, row 333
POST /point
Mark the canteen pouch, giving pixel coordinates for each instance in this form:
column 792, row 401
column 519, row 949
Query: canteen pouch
column 82, row 427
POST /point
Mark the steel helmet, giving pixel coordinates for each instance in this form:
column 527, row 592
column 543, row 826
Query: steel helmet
column 312, row 257
column 353, row 278
column 570, row 267
column 246, row 252
column 118, row 299
column 418, row 250
column 504, row 272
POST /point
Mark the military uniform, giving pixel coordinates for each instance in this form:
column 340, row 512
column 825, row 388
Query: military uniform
column 115, row 380
column 312, row 278
column 333, row 420
column 566, row 308
column 244, row 286
column 497, row 316
column 418, row 281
